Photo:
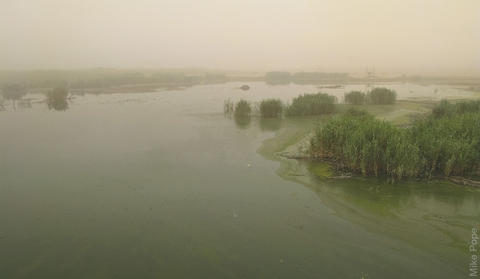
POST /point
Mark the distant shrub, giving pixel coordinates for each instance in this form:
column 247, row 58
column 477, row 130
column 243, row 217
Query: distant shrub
column 271, row 108
column 312, row 104
column 242, row 109
column 355, row 98
column 382, row 96
column 13, row 91
column 57, row 98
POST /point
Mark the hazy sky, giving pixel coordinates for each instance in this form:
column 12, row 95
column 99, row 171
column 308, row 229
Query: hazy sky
column 329, row 35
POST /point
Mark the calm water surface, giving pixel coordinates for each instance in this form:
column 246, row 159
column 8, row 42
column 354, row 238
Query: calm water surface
column 162, row 185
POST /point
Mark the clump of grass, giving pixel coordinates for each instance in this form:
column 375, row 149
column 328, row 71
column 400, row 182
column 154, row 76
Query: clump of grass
column 355, row 98
column 366, row 145
column 382, row 96
column 243, row 109
column 271, row 108
column 311, row 104
column 447, row 145
column 228, row 106
column 57, row 98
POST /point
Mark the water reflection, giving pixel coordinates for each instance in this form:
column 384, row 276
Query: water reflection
column 270, row 124
column 13, row 92
column 25, row 103
column 277, row 82
column 242, row 122
column 423, row 213
column 57, row 99
column 379, row 197
column 435, row 217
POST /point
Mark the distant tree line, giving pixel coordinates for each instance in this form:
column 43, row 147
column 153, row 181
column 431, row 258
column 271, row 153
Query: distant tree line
column 101, row 78
column 305, row 77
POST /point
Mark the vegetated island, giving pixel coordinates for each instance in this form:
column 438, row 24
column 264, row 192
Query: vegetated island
column 441, row 144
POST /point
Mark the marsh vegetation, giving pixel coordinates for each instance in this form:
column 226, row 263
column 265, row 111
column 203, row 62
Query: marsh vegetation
column 311, row 104
column 228, row 106
column 381, row 96
column 271, row 108
column 446, row 108
column 242, row 109
column 376, row 96
column 303, row 105
column 57, row 98
column 440, row 144
column 355, row 98
column 13, row 92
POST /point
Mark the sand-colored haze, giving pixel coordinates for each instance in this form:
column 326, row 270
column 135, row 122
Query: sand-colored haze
column 428, row 36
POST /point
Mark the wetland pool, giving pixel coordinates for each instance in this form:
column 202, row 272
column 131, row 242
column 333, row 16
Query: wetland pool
column 163, row 185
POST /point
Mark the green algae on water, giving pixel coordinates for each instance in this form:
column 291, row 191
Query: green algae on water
column 321, row 169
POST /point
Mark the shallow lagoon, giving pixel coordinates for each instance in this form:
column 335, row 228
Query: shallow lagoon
column 162, row 184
